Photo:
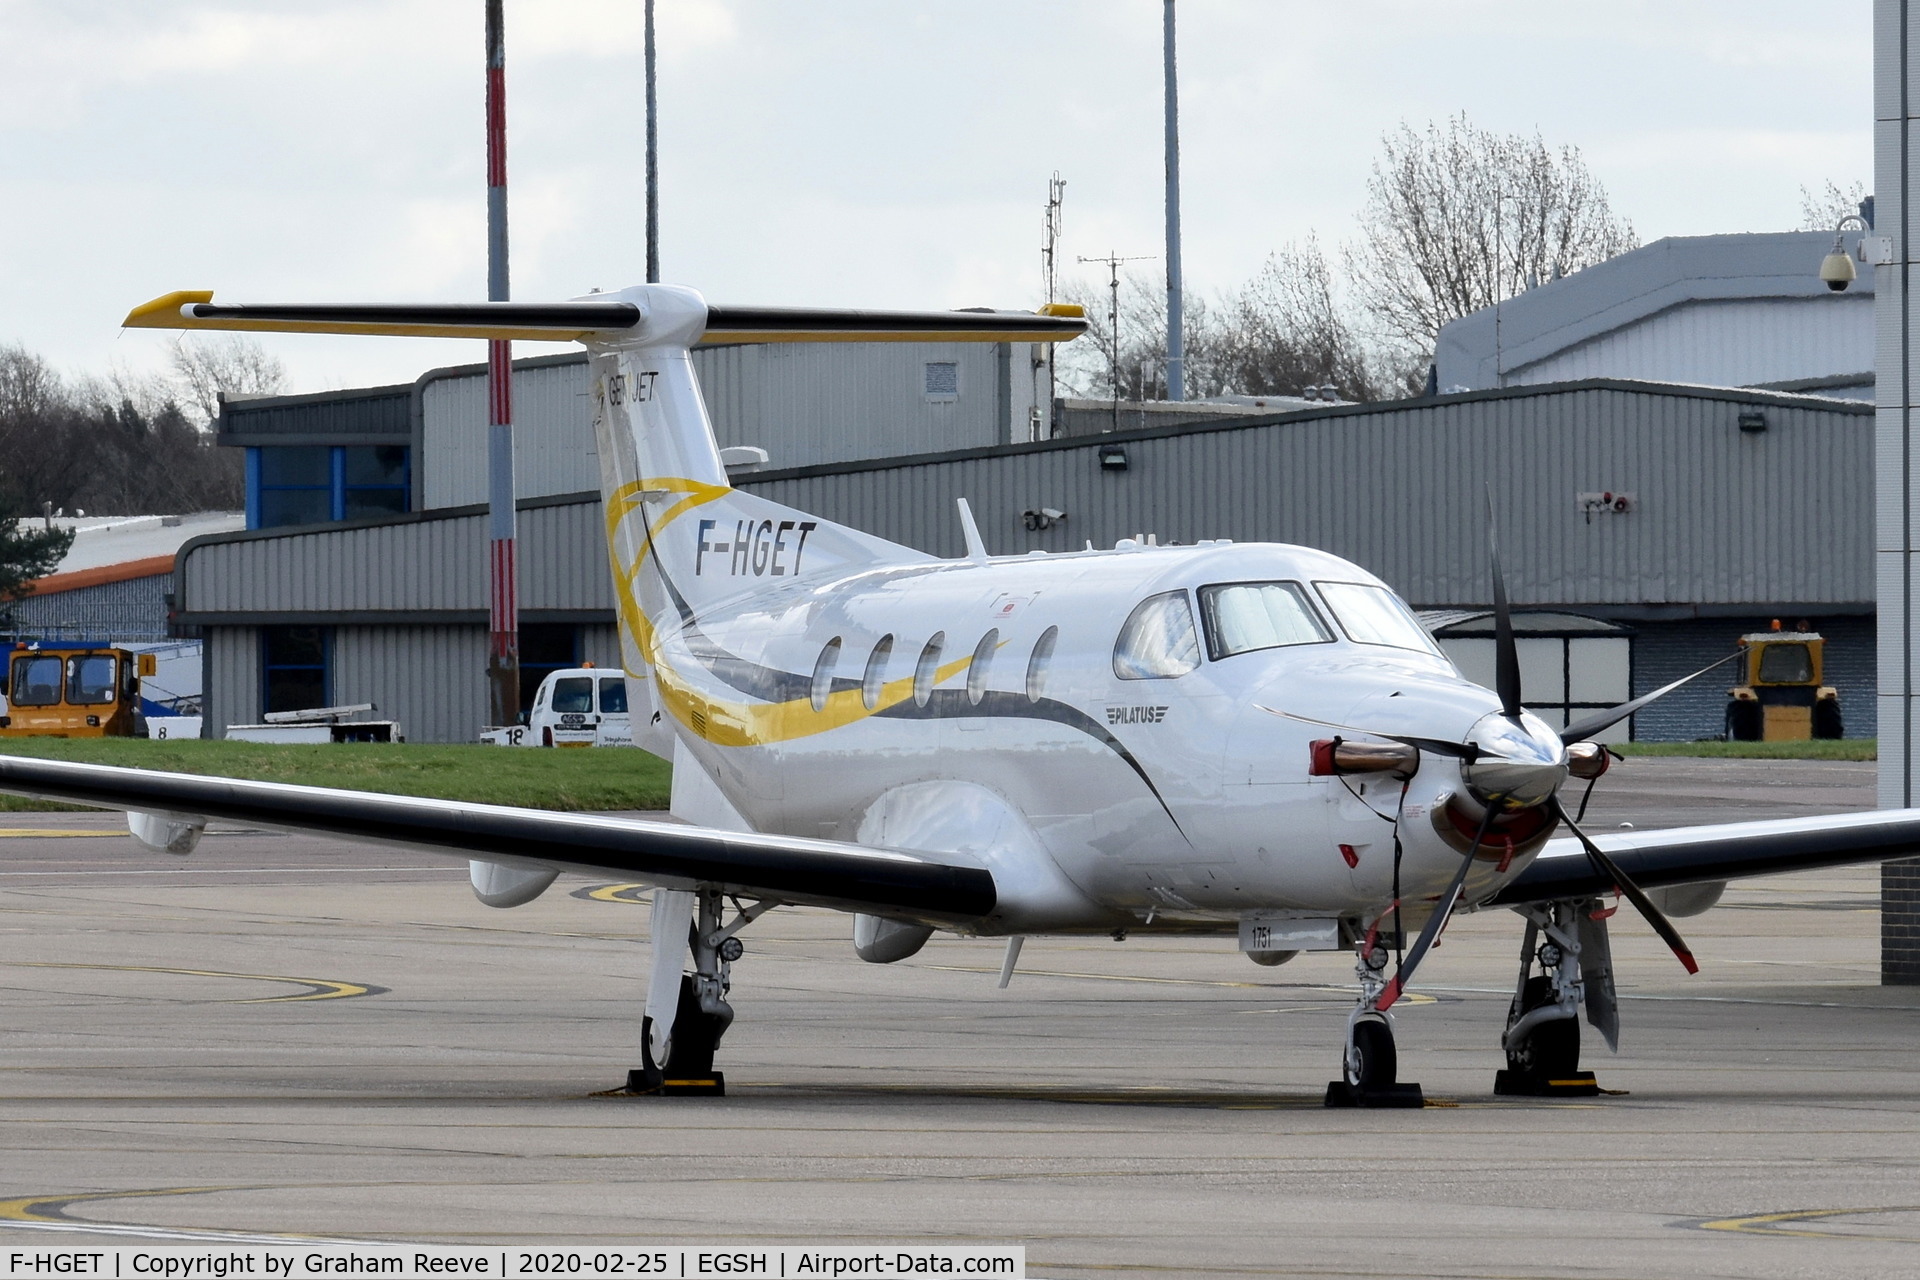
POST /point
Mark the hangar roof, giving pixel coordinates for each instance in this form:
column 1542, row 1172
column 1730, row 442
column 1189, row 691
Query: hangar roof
column 1630, row 289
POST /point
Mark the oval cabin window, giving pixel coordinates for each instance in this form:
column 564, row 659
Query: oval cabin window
column 981, row 665
column 1041, row 660
column 875, row 678
column 823, row 673
column 925, row 670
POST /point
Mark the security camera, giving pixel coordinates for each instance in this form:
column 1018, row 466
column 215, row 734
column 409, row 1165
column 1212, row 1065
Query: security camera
column 1044, row 518
column 1836, row 269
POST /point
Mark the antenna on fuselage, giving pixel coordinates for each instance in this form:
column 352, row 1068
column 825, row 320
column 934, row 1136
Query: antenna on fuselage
column 976, row 546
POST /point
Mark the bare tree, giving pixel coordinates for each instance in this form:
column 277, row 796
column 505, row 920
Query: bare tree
column 204, row 368
column 1822, row 210
column 42, row 434
column 1280, row 333
column 118, row 445
column 1289, row 331
column 1458, row 217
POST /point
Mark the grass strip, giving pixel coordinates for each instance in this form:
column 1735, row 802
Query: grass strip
column 572, row 780
column 1811, row 749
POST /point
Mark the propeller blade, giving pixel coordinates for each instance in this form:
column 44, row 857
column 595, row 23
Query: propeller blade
column 1632, row 892
column 1506, row 654
column 1439, row 746
column 1614, row 715
column 1397, row 985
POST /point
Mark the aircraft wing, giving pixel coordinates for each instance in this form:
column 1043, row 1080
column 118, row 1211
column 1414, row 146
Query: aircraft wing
column 825, row 873
column 1730, row 851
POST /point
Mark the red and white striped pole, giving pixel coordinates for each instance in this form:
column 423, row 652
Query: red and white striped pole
column 503, row 603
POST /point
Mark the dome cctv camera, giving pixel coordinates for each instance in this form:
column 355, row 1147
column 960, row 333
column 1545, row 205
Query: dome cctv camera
column 1836, row 269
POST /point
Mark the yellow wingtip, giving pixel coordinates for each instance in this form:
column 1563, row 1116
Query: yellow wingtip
column 164, row 312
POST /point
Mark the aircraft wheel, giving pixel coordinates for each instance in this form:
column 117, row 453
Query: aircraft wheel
column 1745, row 721
column 1372, row 1064
column 1551, row 1051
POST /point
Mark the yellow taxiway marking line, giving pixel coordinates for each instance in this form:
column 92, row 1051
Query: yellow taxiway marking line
column 1770, row 1224
column 51, row 833
column 619, row 893
column 322, row 988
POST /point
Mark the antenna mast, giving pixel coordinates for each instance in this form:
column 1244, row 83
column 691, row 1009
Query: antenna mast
column 1050, row 276
column 1050, row 244
column 1113, row 261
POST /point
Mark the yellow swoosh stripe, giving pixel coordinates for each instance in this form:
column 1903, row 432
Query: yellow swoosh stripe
column 728, row 723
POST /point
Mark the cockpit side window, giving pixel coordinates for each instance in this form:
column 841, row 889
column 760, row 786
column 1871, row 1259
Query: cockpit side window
column 1242, row 617
column 1158, row 640
column 1374, row 615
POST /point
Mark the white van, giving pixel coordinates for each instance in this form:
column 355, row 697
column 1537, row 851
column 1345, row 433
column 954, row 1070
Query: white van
column 575, row 707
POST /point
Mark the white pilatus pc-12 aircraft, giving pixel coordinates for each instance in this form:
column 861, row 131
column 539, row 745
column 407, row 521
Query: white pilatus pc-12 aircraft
column 1210, row 739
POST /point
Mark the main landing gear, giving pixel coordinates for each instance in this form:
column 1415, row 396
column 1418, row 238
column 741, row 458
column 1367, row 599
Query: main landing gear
column 1370, row 1067
column 1568, row 941
column 688, row 1013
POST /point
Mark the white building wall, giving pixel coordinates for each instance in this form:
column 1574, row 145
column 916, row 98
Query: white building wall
column 1724, row 343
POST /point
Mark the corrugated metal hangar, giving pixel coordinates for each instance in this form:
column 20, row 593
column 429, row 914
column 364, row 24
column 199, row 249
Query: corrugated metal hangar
column 1727, row 310
column 1673, row 517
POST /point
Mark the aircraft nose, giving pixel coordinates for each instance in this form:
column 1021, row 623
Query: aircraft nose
column 1522, row 762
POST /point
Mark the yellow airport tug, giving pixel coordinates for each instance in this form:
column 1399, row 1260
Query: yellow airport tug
column 72, row 691
column 1781, row 698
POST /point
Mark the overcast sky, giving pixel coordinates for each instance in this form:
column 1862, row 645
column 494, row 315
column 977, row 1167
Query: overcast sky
column 845, row 152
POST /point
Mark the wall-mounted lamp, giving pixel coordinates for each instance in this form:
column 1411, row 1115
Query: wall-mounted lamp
column 1753, row 421
column 1113, row 457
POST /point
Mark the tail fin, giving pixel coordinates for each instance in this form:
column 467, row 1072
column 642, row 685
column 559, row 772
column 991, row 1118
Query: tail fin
column 680, row 536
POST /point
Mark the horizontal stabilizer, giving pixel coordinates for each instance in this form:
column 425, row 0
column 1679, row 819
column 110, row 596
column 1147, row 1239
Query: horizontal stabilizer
column 588, row 320
column 810, row 324
column 518, row 321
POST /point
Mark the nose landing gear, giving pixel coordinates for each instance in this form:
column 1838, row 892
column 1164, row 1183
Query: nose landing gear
column 1370, row 1066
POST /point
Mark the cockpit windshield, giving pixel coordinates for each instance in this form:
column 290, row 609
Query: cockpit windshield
column 1374, row 615
column 1241, row 617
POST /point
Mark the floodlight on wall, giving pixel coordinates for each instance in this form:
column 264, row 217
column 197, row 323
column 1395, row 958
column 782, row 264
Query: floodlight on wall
column 1836, row 269
column 1113, row 457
